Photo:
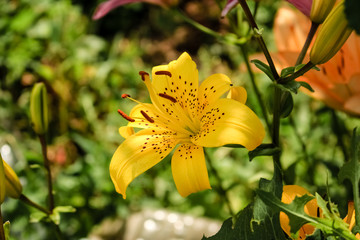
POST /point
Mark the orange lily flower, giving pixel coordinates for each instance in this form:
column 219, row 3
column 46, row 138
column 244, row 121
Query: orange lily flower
column 350, row 217
column 337, row 83
column 311, row 208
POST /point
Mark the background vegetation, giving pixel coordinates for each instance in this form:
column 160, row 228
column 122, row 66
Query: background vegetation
column 87, row 65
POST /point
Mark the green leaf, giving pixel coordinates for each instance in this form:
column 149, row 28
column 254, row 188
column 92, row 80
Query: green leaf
column 66, row 209
column 291, row 86
column 245, row 228
column 55, row 216
column 263, row 150
column 294, row 210
column 264, row 68
column 287, row 71
column 234, row 146
column 306, row 85
column 37, row 217
column 351, row 171
column 330, row 223
column 352, row 9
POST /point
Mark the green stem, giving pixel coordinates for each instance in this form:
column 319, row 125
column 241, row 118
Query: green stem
column 259, row 38
column 339, row 134
column 58, row 233
column 220, row 189
column 256, row 89
column 27, row 201
column 276, row 139
column 48, row 170
column 298, row 73
column 198, row 25
column 310, row 36
column 2, row 232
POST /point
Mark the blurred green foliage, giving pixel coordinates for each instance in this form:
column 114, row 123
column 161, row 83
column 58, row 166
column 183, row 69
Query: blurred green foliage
column 87, row 65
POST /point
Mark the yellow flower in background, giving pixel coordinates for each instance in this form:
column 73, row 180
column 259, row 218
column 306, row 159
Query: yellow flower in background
column 2, row 181
column 350, row 217
column 12, row 183
column 186, row 114
column 311, row 208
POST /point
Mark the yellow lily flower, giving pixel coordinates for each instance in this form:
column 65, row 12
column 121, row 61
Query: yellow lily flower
column 182, row 113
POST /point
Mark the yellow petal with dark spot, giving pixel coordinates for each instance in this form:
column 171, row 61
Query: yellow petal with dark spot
column 229, row 122
column 189, row 169
column 212, row 89
column 137, row 154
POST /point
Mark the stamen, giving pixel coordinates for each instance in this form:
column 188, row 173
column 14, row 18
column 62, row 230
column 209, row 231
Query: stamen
column 146, row 116
column 167, row 73
column 125, row 95
column 164, row 95
column 125, row 116
column 142, row 74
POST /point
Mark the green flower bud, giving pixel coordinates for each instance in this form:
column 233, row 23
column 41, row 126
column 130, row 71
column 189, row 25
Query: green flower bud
column 12, row 183
column 39, row 108
column 332, row 35
column 2, row 181
column 320, row 10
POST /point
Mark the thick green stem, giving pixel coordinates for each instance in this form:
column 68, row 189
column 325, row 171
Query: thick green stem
column 276, row 136
column 259, row 38
column 256, row 89
column 48, row 170
column 2, row 233
column 310, row 36
column 27, row 201
column 221, row 191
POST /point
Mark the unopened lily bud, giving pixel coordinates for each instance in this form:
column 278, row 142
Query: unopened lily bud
column 332, row 35
column 2, row 181
column 39, row 108
column 12, row 183
column 320, row 9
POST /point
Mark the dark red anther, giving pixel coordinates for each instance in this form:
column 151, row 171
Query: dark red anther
column 164, row 95
column 146, row 116
column 167, row 73
column 125, row 116
column 143, row 74
column 125, row 95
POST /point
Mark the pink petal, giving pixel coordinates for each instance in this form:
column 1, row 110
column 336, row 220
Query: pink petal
column 303, row 5
column 229, row 5
column 105, row 7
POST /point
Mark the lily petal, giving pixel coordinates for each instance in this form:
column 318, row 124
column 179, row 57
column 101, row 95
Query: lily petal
column 189, row 169
column 179, row 79
column 126, row 131
column 105, row 7
column 137, row 154
column 238, row 93
column 229, row 122
column 212, row 88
